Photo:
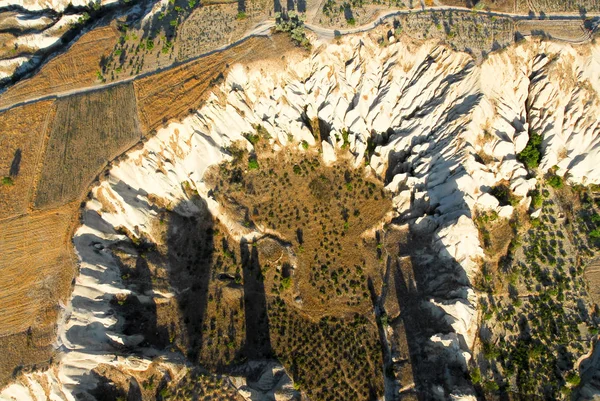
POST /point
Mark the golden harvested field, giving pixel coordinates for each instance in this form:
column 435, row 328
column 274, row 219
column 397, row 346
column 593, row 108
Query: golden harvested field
column 37, row 264
column 76, row 68
column 172, row 94
column 21, row 148
column 89, row 131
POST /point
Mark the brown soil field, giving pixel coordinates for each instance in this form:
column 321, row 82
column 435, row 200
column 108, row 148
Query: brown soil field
column 89, row 131
column 75, row 68
column 22, row 143
column 592, row 276
column 37, row 267
column 172, row 94
column 330, row 227
column 549, row 6
column 197, row 36
column 561, row 30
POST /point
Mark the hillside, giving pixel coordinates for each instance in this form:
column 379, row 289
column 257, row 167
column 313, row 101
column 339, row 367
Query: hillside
column 406, row 211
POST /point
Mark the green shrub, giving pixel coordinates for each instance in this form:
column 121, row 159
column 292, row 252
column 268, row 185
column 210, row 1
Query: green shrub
column 490, row 351
column 475, row 376
column 252, row 138
column 573, row 379
column 294, row 24
column 252, row 163
column 504, row 195
column 491, row 386
column 531, row 155
column 536, row 198
column 304, row 145
column 286, row 283
column 346, row 143
column 555, row 181
column 7, row 181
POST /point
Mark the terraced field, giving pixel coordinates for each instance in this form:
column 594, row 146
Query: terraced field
column 89, row 131
column 22, row 144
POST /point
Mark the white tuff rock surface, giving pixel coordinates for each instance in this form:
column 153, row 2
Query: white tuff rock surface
column 56, row 5
column 425, row 111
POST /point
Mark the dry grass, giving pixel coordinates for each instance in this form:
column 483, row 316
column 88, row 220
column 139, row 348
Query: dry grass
column 76, row 68
column 26, row 351
column 37, row 266
column 198, row 37
column 326, row 213
column 549, row 6
column 172, row 94
column 561, row 30
column 36, row 251
column 89, row 131
column 22, row 143
column 320, row 310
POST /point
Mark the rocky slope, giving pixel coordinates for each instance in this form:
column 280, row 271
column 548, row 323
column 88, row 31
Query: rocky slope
column 437, row 128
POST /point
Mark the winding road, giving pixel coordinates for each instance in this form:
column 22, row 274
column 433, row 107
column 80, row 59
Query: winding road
column 264, row 29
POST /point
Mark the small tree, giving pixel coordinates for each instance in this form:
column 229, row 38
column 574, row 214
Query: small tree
column 531, row 155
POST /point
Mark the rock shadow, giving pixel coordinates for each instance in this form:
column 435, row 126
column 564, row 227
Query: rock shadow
column 190, row 248
column 258, row 338
column 15, row 165
column 423, row 270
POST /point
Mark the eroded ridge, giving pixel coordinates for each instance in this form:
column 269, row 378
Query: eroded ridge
column 437, row 130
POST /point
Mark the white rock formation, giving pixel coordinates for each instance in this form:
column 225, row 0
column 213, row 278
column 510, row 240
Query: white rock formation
column 418, row 114
column 56, row 5
column 25, row 45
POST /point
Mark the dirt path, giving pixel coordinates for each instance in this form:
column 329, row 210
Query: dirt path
column 264, row 28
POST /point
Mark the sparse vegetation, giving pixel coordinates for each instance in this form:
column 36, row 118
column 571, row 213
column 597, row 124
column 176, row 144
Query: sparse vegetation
column 536, row 312
column 297, row 200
